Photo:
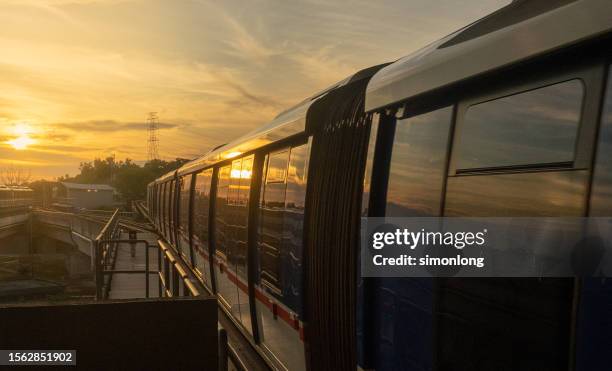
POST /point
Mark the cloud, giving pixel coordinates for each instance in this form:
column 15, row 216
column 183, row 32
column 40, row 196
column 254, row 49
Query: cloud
column 85, row 73
column 109, row 126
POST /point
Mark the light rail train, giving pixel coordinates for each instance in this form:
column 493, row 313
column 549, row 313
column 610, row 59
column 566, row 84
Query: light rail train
column 509, row 116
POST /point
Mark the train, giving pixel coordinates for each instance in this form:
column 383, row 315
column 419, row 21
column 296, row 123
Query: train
column 509, row 116
column 15, row 196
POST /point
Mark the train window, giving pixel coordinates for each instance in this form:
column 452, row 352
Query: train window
column 164, row 208
column 184, row 213
column 231, row 236
column 281, row 254
column 418, row 164
column 271, row 220
column 528, row 131
column 536, row 127
column 171, row 210
column 601, row 194
column 416, row 178
column 277, row 167
column 220, row 208
column 200, row 236
column 158, row 206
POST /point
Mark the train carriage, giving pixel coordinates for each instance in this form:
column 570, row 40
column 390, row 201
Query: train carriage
column 509, row 116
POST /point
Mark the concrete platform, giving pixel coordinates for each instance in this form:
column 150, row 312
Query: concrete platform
column 132, row 285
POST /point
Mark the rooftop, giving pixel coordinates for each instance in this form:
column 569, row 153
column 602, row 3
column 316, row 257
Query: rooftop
column 97, row 187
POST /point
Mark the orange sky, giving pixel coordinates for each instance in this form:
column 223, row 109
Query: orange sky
column 78, row 77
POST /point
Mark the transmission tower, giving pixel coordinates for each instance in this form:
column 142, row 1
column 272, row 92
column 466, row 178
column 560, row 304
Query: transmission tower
column 153, row 142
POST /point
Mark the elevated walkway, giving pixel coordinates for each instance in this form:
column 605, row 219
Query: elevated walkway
column 130, row 285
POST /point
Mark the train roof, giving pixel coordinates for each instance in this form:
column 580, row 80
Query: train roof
column 517, row 32
column 288, row 123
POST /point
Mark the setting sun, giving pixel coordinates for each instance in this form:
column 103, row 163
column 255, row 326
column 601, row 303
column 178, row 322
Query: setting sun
column 23, row 138
column 21, row 142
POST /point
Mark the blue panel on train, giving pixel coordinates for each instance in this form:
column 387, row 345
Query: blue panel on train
column 404, row 324
column 593, row 339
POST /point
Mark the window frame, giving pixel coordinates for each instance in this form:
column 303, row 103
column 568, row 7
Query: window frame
column 590, row 74
column 275, row 288
column 181, row 181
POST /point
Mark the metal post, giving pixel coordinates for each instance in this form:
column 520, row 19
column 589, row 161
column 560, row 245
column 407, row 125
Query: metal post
column 159, row 270
column 147, row 269
column 98, row 274
column 223, row 350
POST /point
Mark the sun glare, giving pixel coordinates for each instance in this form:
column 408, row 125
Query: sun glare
column 21, row 142
column 23, row 138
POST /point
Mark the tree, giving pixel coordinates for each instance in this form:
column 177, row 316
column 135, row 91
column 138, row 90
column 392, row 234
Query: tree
column 15, row 175
column 129, row 178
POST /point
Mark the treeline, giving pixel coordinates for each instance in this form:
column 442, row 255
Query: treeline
column 128, row 178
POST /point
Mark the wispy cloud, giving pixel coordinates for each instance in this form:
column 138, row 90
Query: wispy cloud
column 85, row 73
column 109, row 126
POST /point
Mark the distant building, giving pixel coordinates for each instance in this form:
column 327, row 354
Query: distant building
column 87, row 196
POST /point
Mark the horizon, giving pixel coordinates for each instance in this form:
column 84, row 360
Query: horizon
column 79, row 77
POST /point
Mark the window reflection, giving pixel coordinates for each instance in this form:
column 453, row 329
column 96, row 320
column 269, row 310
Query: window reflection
column 184, row 210
column 280, row 254
column 559, row 193
column 534, row 127
column 418, row 164
column 201, row 205
column 233, row 188
column 171, row 206
column 272, row 220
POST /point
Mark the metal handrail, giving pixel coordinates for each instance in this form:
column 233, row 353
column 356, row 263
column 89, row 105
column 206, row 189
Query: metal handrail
column 179, row 270
column 146, row 271
column 104, row 255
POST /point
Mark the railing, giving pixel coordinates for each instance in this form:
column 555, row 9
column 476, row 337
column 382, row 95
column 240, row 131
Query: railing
column 174, row 278
column 106, row 213
column 105, row 253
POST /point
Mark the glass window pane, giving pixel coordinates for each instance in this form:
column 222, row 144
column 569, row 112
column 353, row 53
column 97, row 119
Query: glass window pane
column 280, row 253
column 225, row 287
column 201, row 206
column 231, row 236
column 171, row 207
column 240, row 253
column 220, row 208
column 184, row 211
column 277, row 167
column 555, row 193
column 418, row 164
column 296, row 177
column 271, row 220
column 535, row 127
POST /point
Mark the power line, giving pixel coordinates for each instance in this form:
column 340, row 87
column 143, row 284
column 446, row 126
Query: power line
column 153, row 141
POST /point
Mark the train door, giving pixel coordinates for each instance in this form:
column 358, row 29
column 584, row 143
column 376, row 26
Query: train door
column 184, row 216
column 400, row 333
column 279, row 282
column 172, row 212
column 164, row 209
column 201, row 222
column 231, row 231
column 158, row 205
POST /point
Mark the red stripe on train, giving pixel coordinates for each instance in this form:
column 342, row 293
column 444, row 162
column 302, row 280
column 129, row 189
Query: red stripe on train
column 277, row 310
